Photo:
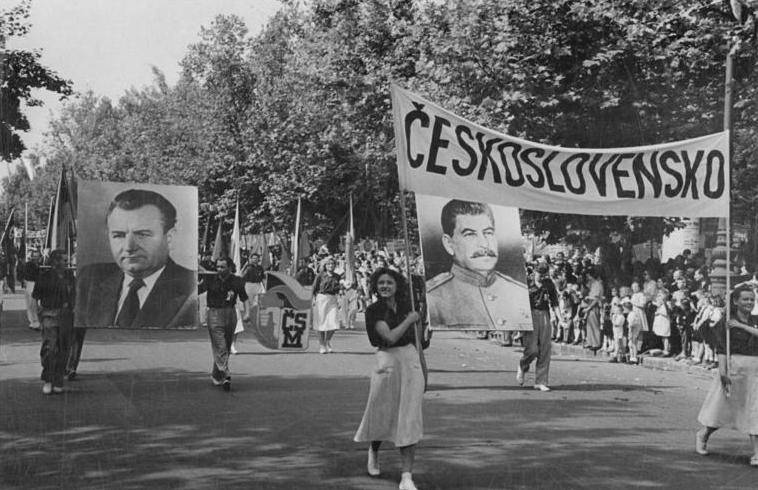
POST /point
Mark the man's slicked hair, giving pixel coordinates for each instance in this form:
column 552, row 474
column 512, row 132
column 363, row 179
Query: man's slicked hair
column 137, row 198
column 455, row 208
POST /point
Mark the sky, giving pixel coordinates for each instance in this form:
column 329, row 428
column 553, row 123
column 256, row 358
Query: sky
column 110, row 46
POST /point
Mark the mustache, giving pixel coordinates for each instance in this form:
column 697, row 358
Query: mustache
column 485, row 252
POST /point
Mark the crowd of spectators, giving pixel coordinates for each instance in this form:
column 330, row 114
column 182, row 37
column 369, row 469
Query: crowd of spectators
column 666, row 309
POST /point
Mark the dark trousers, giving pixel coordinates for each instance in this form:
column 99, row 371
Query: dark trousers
column 221, row 324
column 75, row 349
column 537, row 345
column 57, row 326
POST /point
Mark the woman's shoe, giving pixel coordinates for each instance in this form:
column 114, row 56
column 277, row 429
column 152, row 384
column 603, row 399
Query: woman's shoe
column 701, row 444
column 754, row 460
column 373, row 463
column 406, row 482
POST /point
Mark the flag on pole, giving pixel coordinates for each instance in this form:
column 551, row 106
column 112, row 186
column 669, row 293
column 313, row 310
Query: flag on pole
column 236, row 246
column 6, row 243
column 265, row 252
column 218, row 245
column 29, row 167
column 7, row 237
column 204, row 244
column 304, row 245
column 351, row 231
column 285, row 261
column 350, row 246
column 61, row 227
column 296, row 240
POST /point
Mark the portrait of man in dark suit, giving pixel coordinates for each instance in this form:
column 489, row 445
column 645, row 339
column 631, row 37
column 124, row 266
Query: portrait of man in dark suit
column 142, row 287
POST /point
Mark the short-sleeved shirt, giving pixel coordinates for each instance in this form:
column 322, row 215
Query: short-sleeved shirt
column 326, row 283
column 53, row 291
column 379, row 311
column 223, row 293
column 544, row 296
column 740, row 341
column 31, row 271
column 254, row 273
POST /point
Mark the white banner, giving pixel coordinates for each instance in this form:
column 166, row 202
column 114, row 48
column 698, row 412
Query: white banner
column 442, row 154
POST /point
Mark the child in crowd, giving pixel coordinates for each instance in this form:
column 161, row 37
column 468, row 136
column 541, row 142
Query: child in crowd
column 684, row 315
column 662, row 320
column 618, row 320
column 609, row 337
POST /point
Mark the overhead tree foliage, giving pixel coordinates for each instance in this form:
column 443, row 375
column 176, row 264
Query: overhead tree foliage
column 302, row 108
column 20, row 73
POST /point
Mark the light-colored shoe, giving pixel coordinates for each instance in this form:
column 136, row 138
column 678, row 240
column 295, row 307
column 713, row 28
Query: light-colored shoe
column 541, row 387
column 373, row 463
column 520, row 376
column 216, row 382
column 701, row 443
column 329, row 349
column 58, row 390
column 233, row 349
column 406, row 483
column 322, row 350
column 47, row 388
column 754, row 460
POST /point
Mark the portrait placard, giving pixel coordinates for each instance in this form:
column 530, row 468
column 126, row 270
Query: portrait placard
column 136, row 256
column 474, row 265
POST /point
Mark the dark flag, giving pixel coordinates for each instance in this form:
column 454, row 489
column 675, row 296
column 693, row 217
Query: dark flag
column 9, row 251
column 218, row 246
column 61, row 226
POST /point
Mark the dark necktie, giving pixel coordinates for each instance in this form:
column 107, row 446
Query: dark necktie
column 130, row 308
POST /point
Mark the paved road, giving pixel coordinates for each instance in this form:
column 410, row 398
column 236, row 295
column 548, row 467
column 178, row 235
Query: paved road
column 143, row 414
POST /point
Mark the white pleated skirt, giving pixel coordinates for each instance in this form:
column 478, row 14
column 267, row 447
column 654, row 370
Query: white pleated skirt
column 393, row 411
column 326, row 313
column 740, row 410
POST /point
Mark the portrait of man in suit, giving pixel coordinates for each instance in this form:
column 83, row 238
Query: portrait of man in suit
column 473, row 281
column 142, row 287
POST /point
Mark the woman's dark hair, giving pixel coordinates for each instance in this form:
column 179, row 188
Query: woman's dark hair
column 736, row 292
column 401, row 294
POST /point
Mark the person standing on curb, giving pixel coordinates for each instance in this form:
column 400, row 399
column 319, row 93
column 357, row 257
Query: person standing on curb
column 54, row 293
column 31, row 273
column 224, row 289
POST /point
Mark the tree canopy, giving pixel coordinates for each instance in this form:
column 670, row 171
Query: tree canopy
column 302, row 108
column 20, row 73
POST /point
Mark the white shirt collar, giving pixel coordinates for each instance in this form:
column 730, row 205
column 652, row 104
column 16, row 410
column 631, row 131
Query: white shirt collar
column 143, row 292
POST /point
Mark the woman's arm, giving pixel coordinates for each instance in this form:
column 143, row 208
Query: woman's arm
column 393, row 335
column 734, row 323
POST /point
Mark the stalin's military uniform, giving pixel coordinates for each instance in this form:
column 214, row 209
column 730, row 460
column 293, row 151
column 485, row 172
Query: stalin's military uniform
column 464, row 299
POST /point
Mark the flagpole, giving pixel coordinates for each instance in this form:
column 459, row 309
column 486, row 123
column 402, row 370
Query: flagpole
column 296, row 245
column 416, row 325
column 728, row 98
column 26, row 227
column 352, row 223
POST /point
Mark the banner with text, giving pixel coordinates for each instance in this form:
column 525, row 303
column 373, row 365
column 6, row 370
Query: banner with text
column 442, row 154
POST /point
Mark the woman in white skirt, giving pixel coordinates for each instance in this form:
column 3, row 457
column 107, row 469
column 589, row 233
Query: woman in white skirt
column 326, row 321
column 393, row 411
column 732, row 400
